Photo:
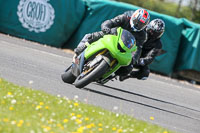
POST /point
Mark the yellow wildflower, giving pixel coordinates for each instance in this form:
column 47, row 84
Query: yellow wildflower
column 114, row 128
column 165, row 132
column 78, row 121
column 46, row 107
column 9, row 93
column 65, row 120
column 41, row 103
column 100, row 129
column 76, row 104
column 100, row 124
column 11, row 108
column 119, row 130
column 80, row 129
column 48, row 128
column 21, row 121
column 151, row 118
column 38, row 107
column 72, row 114
column 86, row 119
column 19, row 124
column 78, row 116
column 92, row 124
column 88, row 126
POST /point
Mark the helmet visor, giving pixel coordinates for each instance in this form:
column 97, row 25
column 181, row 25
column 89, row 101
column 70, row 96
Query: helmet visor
column 138, row 24
column 154, row 34
column 149, row 30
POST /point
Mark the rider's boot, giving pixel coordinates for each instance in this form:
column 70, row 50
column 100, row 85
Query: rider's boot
column 124, row 77
column 133, row 74
column 111, row 77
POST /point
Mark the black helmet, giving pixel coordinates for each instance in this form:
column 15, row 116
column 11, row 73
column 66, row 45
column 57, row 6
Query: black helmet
column 156, row 28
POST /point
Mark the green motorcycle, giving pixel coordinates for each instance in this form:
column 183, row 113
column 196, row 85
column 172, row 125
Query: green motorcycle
column 101, row 59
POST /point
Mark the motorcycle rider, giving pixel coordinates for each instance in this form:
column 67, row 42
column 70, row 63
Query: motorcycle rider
column 135, row 22
column 150, row 50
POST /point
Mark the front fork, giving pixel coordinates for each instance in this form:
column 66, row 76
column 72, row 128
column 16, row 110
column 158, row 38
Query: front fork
column 77, row 64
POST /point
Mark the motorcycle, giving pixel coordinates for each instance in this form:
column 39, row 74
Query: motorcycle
column 101, row 59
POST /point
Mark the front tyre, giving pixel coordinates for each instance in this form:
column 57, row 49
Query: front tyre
column 97, row 72
column 68, row 77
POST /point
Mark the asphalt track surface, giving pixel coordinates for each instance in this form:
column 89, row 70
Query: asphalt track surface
column 174, row 105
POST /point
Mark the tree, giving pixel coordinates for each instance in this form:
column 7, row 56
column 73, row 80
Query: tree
column 178, row 8
column 194, row 5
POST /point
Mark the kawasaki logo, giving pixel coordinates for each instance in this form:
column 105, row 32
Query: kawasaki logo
column 36, row 15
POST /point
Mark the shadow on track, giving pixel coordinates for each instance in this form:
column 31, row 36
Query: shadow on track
column 154, row 99
column 146, row 105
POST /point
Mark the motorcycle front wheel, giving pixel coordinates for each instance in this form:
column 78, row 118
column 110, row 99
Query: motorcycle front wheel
column 68, row 77
column 87, row 77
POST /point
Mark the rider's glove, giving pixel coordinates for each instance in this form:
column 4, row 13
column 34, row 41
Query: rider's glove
column 81, row 48
column 141, row 62
column 78, row 50
column 106, row 30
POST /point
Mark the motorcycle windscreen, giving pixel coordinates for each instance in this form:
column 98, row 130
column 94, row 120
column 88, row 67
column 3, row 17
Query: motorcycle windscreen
column 128, row 39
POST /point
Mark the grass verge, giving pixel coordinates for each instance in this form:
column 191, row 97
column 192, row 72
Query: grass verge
column 24, row 110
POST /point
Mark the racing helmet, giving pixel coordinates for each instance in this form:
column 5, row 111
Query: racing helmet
column 139, row 20
column 156, row 28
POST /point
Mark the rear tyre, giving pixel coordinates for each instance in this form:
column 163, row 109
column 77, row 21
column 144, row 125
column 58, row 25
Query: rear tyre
column 68, row 77
column 97, row 72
